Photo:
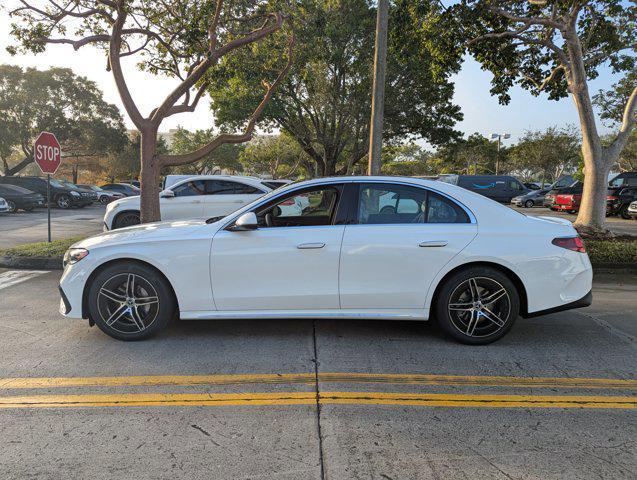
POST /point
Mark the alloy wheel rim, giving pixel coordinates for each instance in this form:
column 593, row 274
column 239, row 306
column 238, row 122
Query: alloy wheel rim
column 479, row 307
column 63, row 202
column 11, row 206
column 128, row 303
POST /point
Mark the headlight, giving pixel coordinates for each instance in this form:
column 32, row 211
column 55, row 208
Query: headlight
column 74, row 193
column 74, row 255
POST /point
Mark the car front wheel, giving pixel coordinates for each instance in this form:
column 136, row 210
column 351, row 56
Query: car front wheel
column 126, row 219
column 12, row 207
column 103, row 199
column 63, row 201
column 477, row 305
column 130, row 301
column 529, row 203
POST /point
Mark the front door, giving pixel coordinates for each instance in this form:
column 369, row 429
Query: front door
column 401, row 237
column 289, row 263
column 187, row 204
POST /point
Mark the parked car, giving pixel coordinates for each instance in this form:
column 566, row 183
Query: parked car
column 549, row 197
column 274, row 184
column 568, row 199
column 124, row 188
column 61, row 195
column 4, row 206
column 625, row 179
column 533, row 198
column 342, row 258
column 197, row 197
column 19, row 198
column 632, row 210
column 85, row 192
column 501, row 188
column 618, row 200
column 103, row 196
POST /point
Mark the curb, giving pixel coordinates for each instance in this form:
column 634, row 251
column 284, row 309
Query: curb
column 32, row 263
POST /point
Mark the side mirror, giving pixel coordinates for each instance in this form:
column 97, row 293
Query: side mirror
column 247, row 221
column 167, row 194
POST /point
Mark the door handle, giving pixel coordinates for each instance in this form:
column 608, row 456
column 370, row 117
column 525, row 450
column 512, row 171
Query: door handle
column 434, row 243
column 306, row 246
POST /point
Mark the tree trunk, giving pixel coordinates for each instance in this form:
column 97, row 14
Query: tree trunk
column 149, row 177
column 17, row 168
column 592, row 212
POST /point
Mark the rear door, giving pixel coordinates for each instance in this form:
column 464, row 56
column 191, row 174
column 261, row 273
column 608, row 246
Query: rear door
column 391, row 253
column 226, row 196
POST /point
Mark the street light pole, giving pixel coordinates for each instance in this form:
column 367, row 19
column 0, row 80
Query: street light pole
column 499, row 136
column 378, row 95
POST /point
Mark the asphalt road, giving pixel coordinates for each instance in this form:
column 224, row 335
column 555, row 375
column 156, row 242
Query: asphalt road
column 296, row 399
column 31, row 227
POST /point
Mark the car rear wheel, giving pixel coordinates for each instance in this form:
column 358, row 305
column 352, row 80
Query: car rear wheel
column 477, row 306
column 529, row 203
column 624, row 213
column 12, row 207
column 126, row 219
column 130, row 301
column 63, row 201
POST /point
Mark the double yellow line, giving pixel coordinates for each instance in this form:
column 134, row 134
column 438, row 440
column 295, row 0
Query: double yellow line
column 309, row 378
column 310, row 398
column 324, row 398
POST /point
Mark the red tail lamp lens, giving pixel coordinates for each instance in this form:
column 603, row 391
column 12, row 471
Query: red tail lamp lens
column 570, row 243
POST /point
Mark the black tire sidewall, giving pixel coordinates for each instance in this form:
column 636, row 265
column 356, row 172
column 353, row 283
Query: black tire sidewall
column 167, row 304
column 529, row 203
column 64, row 196
column 103, row 199
column 442, row 300
column 116, row 223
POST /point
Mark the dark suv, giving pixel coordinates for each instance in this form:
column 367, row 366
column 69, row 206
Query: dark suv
column 61, row 195
column 618, row 200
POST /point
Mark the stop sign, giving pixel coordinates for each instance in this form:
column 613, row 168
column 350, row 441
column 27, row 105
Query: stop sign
column 47, row 152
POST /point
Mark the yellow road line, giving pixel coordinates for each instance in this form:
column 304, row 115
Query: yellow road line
column 309, row 398
column 308, row 378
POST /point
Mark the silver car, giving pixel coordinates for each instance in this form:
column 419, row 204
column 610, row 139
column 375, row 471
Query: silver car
column 4, row 206
column 632, row 210
column 531, row 199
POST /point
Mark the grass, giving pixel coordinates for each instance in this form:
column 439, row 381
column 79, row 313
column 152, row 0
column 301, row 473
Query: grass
column 55, row 249
column 612, row 251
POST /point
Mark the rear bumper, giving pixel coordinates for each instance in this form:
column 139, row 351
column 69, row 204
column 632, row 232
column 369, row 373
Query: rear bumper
column 585, row 301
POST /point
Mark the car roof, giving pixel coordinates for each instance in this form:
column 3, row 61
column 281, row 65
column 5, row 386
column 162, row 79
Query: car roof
column 252, row 181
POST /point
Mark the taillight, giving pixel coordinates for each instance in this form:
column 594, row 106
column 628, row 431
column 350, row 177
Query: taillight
column 612, row 197
column 570, row 243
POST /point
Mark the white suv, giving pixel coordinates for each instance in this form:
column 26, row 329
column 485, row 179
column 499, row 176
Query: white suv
column 196, row 197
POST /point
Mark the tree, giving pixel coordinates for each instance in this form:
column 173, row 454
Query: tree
column 407, row 159
column 59, row 101
column 475, row 155
column 182, row 40
column 324, row 104
column 556, row 46
column 277, row 156
column 546, row 155
column 226, row 157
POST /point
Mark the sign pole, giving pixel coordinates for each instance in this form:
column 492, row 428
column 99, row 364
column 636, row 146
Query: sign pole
column 48, row 204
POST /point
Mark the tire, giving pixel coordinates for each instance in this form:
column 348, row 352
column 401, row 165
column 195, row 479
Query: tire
column 623, row 212
column 529, row 203
column 474, row 322
column 126, row 219
column 103, row 199
column 130, row 301
column 63, row 201
column 12, row 207
column 387, row 210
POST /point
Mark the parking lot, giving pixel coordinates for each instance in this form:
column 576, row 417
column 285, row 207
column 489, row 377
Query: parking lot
column 316, row 399
column 30, row 227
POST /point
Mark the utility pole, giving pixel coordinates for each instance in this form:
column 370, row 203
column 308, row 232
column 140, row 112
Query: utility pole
column 378, row 95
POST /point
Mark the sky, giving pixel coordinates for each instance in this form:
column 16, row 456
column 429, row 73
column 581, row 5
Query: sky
column 482, row 113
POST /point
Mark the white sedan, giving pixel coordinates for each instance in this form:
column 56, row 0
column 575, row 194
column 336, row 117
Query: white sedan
column 363, row 247
column 194, row 197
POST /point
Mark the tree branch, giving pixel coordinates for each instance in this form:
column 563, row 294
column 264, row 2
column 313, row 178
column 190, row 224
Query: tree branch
column 172, row 160
column 628, row 121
